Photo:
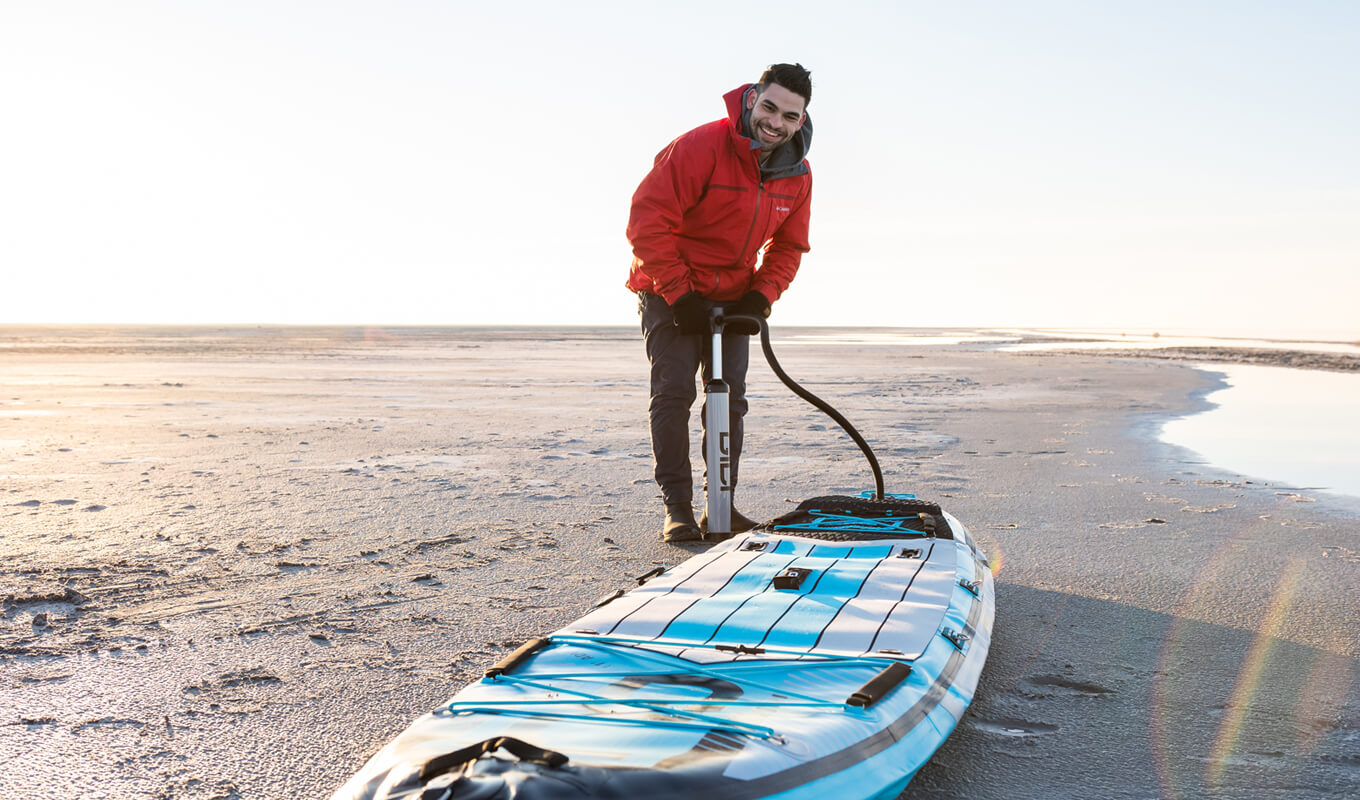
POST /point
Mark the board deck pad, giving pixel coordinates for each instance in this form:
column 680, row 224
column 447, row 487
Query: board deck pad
column 844, row 606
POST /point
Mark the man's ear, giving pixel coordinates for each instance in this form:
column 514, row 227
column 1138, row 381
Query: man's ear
column 751, row 98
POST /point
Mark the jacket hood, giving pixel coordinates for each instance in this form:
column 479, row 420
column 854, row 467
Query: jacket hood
column 787, row 159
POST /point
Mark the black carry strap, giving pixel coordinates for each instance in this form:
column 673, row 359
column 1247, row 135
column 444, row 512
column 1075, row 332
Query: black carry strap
column 464, row 756
column 513, row 660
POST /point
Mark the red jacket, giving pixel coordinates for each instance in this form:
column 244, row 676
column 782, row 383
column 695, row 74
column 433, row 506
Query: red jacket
column 705, row 211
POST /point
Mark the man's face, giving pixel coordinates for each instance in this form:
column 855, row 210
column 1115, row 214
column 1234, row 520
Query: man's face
column 776, row 115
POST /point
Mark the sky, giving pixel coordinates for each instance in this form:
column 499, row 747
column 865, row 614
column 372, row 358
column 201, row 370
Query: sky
column 1189, row 165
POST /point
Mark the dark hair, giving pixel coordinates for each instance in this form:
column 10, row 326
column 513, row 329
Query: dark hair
column 793, row 77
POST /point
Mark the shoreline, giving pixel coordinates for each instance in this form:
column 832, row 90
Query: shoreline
column 1297, row 359
column 235, row 571
column 68, row 339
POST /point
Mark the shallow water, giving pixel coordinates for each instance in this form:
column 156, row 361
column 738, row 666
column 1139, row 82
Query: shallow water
column 1300, row 427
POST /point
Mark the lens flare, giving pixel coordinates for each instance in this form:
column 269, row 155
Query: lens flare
column 1249, row 677
column 995, row 558
column 1329, row 682
column 1179, row 707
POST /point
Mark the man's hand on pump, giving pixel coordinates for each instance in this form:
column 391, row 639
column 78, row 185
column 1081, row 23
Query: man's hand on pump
column 754, row 304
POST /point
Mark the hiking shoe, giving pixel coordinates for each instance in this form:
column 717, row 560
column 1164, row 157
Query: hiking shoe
column 680, row 525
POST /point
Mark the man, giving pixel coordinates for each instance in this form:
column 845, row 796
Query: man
column 717, row 199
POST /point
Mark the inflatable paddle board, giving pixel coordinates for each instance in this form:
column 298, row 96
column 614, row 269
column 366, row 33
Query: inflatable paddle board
column 825, row 654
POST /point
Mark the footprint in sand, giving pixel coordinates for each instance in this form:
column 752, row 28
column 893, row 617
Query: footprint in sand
column 1210, row 509
column 255, row 676
column 1058, row 685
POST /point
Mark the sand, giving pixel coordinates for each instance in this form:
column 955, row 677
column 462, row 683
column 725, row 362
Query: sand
column 1301, row 359
column 236, row 562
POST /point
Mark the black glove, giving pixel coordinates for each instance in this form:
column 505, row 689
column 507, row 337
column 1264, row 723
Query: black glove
column 690, row 313
column 753, row 303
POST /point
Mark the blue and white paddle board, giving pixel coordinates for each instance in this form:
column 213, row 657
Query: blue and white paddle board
column 827, row 654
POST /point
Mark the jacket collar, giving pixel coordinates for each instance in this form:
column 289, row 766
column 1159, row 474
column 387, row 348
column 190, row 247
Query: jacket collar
column 787, row 161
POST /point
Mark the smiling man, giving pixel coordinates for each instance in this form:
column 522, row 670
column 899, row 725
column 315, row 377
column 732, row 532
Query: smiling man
column 721, row 218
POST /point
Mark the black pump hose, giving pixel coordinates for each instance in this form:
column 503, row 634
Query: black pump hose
column 810, row 397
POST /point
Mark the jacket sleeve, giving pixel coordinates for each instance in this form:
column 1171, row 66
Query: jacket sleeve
column 675, row 184
column 784, row 252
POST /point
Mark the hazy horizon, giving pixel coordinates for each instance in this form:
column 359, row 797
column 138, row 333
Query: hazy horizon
column 1316, row 336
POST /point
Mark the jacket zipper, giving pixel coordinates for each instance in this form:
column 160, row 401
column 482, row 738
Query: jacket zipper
column 760, row 191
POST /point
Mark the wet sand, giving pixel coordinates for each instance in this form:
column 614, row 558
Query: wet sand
column 236, row 562
column 1299, row 359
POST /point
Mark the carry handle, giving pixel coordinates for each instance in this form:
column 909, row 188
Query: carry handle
column 513, row 660
column 879, row 686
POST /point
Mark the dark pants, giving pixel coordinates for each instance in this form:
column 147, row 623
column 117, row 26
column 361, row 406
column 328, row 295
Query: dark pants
column 675, row 360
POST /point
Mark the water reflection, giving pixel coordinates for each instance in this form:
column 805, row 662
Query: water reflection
column 1292, row 426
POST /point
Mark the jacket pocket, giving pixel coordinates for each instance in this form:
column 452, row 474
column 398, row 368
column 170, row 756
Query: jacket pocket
column 780, row 208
